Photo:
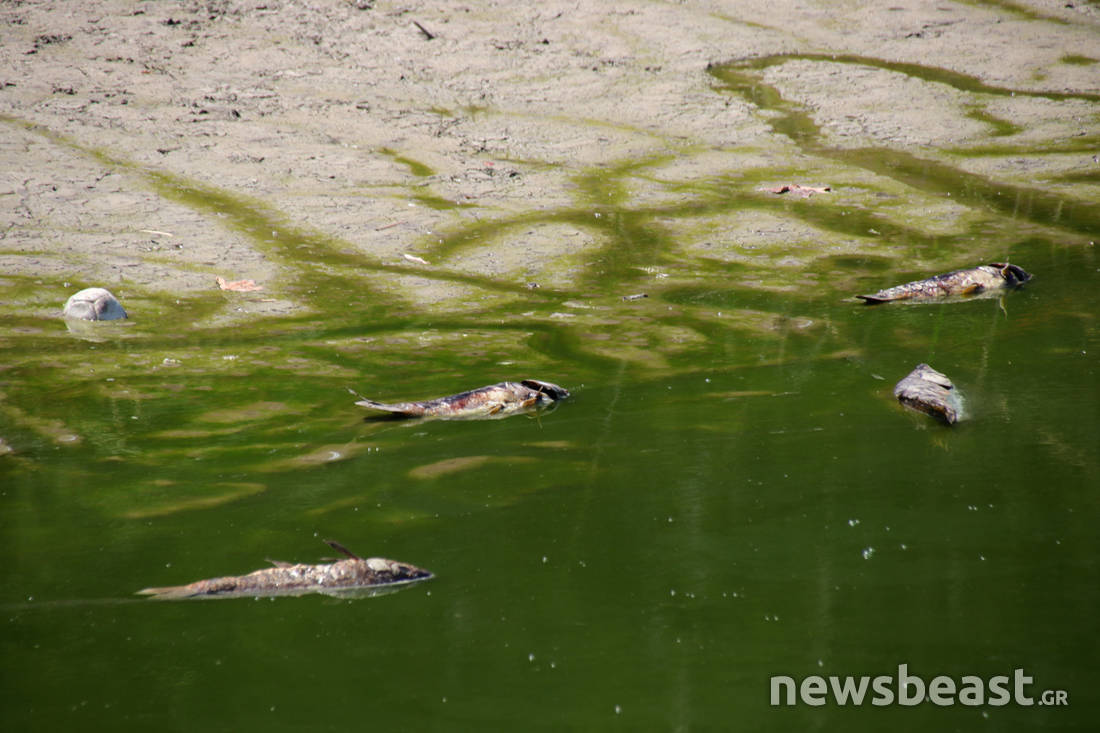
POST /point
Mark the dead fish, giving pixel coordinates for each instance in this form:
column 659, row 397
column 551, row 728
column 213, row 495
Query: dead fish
column 496, row 400
column 930, row 392
column 342, row 578
column 965, row 283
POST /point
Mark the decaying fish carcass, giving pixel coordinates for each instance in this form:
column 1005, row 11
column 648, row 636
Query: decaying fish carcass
column 930, row 392
column 496, row 400
column 960, row 283
column 354, row 576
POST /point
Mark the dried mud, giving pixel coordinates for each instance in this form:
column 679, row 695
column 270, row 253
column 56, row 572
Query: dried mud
column 148, row 147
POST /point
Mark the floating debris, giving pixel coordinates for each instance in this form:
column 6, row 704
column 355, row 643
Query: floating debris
column 930, row 392
column 241, row 286
column 494, row 401
column 94, row 304
column 961, row 283
column 797, row 189
column 636, row 296
column 348, row 578
column 414, row 258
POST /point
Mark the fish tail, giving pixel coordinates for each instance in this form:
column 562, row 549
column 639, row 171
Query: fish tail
column 167, row 592
column 377, row 405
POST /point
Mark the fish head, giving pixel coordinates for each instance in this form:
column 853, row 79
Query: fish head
column 1014, row 275
column 392, row 571
column 548, row 389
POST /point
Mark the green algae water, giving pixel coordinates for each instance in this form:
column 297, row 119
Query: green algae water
column 730, row 494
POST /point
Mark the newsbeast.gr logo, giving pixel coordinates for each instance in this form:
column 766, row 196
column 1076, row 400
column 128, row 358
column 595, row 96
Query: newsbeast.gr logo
column 908, row 689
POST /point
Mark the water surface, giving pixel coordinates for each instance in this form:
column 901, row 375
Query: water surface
column 731, row 493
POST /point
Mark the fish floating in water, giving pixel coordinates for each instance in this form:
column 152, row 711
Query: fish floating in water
column 494, row 401
column 960, row 283
column 931, row 392
column 347, row 578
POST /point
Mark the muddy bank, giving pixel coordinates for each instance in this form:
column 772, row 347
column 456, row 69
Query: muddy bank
column 149, row 148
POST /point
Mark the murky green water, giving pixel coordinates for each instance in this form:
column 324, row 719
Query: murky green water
column 731, row 493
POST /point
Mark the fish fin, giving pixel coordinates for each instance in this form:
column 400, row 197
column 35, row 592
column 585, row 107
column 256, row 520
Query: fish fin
column 873, row 299
column 529, row 402
column 496, row 408
column 340, row 548
column 973, row 289
column 278, row 563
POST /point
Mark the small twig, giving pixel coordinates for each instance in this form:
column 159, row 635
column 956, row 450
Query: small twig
column 427, row 34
